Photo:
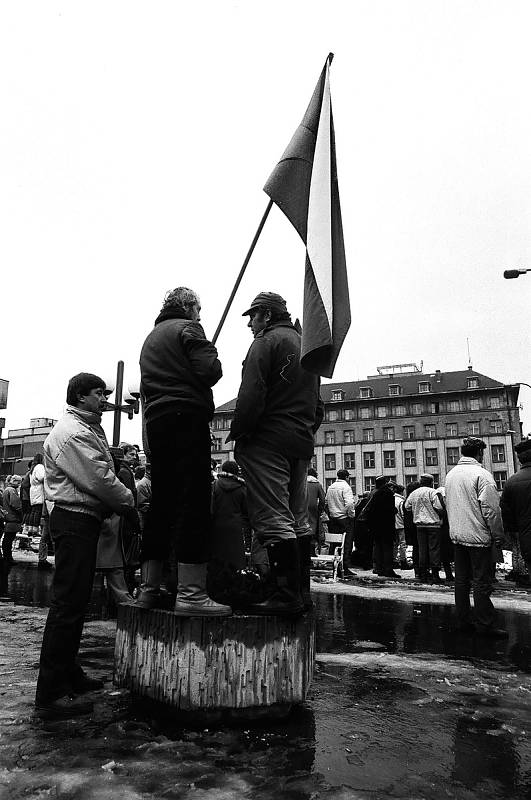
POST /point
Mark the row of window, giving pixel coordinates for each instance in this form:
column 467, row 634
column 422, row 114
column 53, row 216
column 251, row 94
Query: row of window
column 409, row 432
column 395, row 389
column 415, row 409
column 431, row 458
column 369, row 481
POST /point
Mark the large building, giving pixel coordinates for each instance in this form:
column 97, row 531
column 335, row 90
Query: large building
column 21, row 444
column 403, row 422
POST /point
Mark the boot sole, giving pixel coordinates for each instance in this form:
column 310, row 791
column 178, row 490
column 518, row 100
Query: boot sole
column 197, row 612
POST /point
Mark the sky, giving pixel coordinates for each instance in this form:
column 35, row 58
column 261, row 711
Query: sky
column 136, row 138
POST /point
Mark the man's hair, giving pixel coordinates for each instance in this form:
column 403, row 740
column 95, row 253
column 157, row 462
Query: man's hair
column 426, row 480
column 230, row 466
column 82, row 384
column 180, row 299
column 312, row 472
column 128, row 447
column 471, row 450
column 525, row 457
column 381, row 480
column 343, row 474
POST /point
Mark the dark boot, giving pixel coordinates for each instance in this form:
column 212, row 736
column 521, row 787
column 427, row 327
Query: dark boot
column 286, row 599
column 306, row 548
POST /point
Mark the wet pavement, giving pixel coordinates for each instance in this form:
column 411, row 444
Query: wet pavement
column 400, row 707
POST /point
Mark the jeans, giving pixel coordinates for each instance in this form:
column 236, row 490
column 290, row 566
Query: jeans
column 473, row 565
column 429, row 540
column 181, row 482
column 277, row 493
column 75, row 537
column 400, row 553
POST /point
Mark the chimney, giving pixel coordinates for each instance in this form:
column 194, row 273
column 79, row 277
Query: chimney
column 437, row 376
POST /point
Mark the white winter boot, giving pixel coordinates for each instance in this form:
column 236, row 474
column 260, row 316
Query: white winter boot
column 192, row 599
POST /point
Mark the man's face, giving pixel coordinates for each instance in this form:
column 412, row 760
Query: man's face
column 131, row 458
column 258, row 320
column 194, row 312
column 93, row 401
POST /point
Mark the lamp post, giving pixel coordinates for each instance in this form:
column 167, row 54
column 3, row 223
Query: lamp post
column 129, row 406
column 515, row 273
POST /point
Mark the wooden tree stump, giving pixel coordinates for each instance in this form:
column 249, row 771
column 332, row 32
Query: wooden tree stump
column 208, row 664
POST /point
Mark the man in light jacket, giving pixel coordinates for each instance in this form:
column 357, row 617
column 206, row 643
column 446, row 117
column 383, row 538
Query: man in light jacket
column 475, row 523
column 81, row 483
column 427, row 516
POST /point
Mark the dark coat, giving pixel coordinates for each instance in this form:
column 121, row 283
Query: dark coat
column 178, row 367
column 316, row 505
column 230, row 520
column 380, row 513
column 515, row 505
column 278, row 404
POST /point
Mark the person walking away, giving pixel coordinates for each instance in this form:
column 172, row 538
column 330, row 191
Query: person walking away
column 400, row 554
column 426, row 506
column 447, row 548
column 13, row 517
column 475, row 523
column 277, row 412
column 340, row 505
column 316, row 506
column 81, row 483
column 380, row 514
column 179, row 367
column 516, row 503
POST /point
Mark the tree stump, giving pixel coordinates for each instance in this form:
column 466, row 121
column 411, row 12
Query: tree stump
column 229, row 664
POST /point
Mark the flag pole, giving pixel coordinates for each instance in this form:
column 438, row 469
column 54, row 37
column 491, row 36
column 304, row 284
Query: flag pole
column 242, row 270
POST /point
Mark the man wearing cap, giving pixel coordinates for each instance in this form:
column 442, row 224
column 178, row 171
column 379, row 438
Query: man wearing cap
column 277, row 413
column 475, row 524
column 516, row 501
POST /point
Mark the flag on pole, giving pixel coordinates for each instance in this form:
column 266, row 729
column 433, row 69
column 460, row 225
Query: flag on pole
column 304, row 186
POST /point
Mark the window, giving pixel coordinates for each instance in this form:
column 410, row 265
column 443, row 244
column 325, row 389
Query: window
column 494, row 402
column 350, row 460
column 416, row 409
column 430, row 457
column 389, row 434
column 329, row 482
column 472, row 383
column 216, row 444
column 349, row 414
column 381, row 411
column 338, row 394
column 435, row 476
column 389, row 459
column 452, row 456
column 399, row 411
column 330, row 437
column 348, row 437
column 332, row 415
column 496, row 426
column 500, row 478
column 451, row 429
column 424, row 386
column 409, row 431
column 410, row 479
column 410, row 458
column 365, row 413
column 473, row 428
column 430, row 432
column 352, row 482
column 365, row 392
column 369, row 483
column 453, row 405
column 330, row 461
column 497, row 453
column 13, row 451
column 394, row 389
column 474, row 403
column 219, row 423
column 368, row 460
column 434, row 408
column 368, row 434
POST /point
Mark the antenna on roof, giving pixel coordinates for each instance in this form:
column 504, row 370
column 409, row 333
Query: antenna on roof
column 468, row 351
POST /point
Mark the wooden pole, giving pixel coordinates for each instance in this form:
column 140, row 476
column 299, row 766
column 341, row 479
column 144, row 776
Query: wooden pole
column 241, row 273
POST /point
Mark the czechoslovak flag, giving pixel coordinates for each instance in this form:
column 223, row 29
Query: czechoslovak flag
column 304, row 186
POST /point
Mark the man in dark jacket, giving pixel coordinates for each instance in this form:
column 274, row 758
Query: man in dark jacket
column 178, row 368
column 277, row 413
column 380, row 514
column 516, row 501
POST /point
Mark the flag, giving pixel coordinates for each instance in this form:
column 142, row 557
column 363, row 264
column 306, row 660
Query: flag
column 304, row 186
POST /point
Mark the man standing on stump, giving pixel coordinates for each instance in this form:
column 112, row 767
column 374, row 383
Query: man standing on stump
column 277, row 413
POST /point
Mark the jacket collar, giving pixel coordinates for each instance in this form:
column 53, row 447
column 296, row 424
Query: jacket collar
column 169, row 313
column 469, row 460
column 91, row 417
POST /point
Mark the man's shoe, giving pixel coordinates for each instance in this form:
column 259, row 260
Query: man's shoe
column 44, row 565
column 493, row 633
column 84, row 683
column 63, row 708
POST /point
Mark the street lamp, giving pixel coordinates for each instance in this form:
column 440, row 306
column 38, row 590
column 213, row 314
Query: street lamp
column 515, row 273
column 129, row 406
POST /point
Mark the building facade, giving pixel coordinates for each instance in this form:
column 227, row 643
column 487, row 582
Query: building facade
column 403, row 422
column 21, row 444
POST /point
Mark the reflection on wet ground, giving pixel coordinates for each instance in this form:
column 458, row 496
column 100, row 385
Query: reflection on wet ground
column 400, row 707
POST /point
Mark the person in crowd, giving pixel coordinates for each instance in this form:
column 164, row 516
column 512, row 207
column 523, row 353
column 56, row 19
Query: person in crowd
column 140, row 471
column 363, row 539
column 12, row 505
column 410, row 529
column 36, row 495
column 380, row 514
column 400, row 553
column 179, row 367
column 516, row 503
column 25, row 498
column 143, row 495
column 316, row 506
column 426, row 506
column 230, row 518
column 447, row 548
column 277, row 412
column 475, row 523
column 340, row 505
column 81, row 483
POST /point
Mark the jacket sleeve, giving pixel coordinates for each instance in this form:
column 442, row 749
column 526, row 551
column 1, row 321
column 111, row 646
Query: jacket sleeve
column 251, row 400
column 319, row 414
column 436, row 502
column 89, row 470
column 508, row 517
column 490, row 505
column 202, row 354
column 348, row 499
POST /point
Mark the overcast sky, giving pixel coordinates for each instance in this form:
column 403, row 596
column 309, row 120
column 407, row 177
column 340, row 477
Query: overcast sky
column 136, row 138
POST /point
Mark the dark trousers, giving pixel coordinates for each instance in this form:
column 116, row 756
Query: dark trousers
column 429, row 540
column 75, row 538
column 7, row 544
column 181, row 479
column 344, row 525
column 473, row 566
column 383, row 554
